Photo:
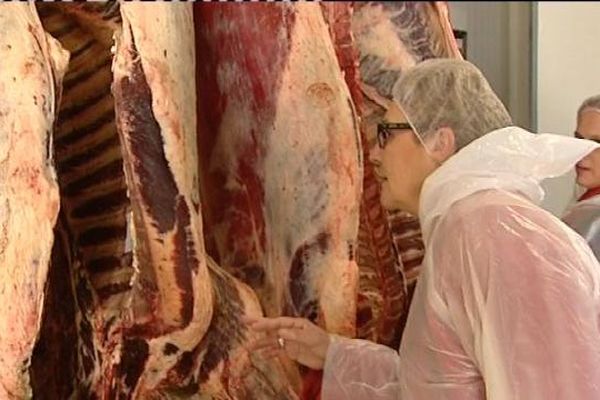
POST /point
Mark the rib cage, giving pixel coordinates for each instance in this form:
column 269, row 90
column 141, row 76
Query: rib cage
column 89, row 159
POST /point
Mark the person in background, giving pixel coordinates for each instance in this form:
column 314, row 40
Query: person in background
column 584, row 215
column 508, row 302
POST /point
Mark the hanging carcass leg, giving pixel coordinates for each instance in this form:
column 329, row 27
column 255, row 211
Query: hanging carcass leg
column 31, row 69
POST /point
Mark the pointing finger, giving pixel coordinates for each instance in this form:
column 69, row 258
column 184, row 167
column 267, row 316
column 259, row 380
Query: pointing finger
column 273, row 324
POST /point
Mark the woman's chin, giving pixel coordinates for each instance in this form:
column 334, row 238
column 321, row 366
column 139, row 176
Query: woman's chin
column 386, row 205
column 588, row 185
column 390, row 204
column 386, row 202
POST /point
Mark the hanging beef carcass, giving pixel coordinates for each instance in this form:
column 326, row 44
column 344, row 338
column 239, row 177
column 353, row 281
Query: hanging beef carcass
column 382, row 300
column 31, row 69
column 384, row 39
column 132, row 272
column 152, row 316
column 246, row 86
column 135, row 308
column 280, row 158
column 390, row 37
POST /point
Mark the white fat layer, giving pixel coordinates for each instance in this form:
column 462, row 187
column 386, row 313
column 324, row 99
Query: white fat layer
column 308, row 159
column 376, row 35
column 312, row 173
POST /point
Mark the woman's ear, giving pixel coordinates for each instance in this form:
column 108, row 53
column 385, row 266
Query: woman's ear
column 444, row 145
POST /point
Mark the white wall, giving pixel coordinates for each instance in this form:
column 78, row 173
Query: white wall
column 459, row 14
column 498, row 42
column 520, row 85
column 487, row 39
column 567, row 66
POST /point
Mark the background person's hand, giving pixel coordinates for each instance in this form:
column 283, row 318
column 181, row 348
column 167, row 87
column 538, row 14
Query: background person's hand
column 304, row 342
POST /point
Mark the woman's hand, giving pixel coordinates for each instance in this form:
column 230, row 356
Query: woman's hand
column 300, row 339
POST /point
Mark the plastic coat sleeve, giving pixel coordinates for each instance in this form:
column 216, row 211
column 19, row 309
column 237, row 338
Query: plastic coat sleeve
column 360, row 370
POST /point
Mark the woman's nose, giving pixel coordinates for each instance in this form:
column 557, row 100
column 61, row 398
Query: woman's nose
column 375, row 154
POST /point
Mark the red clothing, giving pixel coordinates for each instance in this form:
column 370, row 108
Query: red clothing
column 590, row 193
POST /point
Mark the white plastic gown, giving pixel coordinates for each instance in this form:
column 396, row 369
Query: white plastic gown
column 584, row 218
column 508, row 303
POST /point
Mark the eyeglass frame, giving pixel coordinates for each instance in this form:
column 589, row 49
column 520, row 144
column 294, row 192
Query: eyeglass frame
column 578, row 136
column 383, row 133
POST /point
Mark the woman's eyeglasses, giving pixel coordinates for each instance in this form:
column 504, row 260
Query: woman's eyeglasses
column 578, row 136
column 384, row 131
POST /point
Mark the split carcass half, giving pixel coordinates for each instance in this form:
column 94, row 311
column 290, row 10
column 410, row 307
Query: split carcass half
column 382, row 300
column 31, row 69
column 279, row 158
column 375, row 42
column 390, row 37
column 151, row 315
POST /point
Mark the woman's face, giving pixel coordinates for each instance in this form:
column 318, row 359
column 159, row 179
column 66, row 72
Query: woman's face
column 588, row 169
column 401, row 166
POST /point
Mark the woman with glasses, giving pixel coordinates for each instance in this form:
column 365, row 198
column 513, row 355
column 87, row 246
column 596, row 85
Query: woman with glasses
column 508, row 302
column 584, row 215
